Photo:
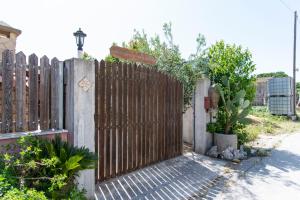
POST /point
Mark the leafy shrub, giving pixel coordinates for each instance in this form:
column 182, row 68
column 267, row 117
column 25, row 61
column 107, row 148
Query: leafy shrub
column 77, row 194
column 211, row 127
column 29, row 194
column 4, row 185
column 246, row 133
column 236, row 64
column 49, row 166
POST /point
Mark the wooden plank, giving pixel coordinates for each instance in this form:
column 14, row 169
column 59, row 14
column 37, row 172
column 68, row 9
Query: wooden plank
column 108, row 121
column 101, row 117
column 160, row 116
column 172, row 117
column 20, row 91
column 130, row 123
column 44, row 93
column 151, row 109
column 150, row 120
column 139, row 115
column 134, row 113
column 155, row 94
column 125, row 118
column 113, row 121
column 33, row 92
column 132, row 55
column 7, row 89
column 181, row 119
column 147, row 156
column 175, row 118
column 56, row 94
column 171, row 147
column 143, row 114
column 168, row 135
column 163, row 116
column 97, row 79
column 120, row 117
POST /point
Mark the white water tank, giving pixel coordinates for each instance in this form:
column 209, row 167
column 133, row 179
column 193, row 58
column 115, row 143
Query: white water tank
column 280, row 96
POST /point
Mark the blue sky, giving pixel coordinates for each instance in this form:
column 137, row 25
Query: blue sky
column 265, row 27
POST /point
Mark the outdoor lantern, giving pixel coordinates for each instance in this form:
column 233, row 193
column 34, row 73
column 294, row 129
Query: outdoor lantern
column 79, row 35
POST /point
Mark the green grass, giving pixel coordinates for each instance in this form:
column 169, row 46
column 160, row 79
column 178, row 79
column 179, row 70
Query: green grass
column 260, row 121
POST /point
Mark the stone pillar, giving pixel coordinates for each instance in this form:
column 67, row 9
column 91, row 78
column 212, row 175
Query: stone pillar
column 80, row 110
column 188, row 125
column 203, row 140
column 79, row 54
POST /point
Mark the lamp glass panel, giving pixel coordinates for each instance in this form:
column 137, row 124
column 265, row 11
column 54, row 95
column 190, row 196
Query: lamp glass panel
column 81, row 40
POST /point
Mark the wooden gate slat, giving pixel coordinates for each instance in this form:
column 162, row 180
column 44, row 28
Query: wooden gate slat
column 171, row 117
column 181, row 116
column 108, row 120
column 147, row 123
column 176, row 117
column 130, row 123
column 56, row 104
column 125, row 118
column 143, row 113
column 113, row 120
column 33, row 92
column 133, row 115
column 20, row 91
column 155, row 93
column 7, row 89
column 139, row 115
column 44, row 93
column 120, row 117
column 97, row 120
column 159, row 118
column 101, row 116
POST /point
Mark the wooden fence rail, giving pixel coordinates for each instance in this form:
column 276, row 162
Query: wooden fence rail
column 138, row 117
column 30, row 95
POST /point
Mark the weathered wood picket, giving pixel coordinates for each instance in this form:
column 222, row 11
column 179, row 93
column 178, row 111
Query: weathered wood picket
column 138, row 117
column 30, row 95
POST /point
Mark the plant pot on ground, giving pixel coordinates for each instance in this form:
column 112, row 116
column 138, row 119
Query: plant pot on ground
column 223, row 141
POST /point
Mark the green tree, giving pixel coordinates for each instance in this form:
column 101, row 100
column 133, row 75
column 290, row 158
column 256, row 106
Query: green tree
column 272, row 74
column 169, row 58
column 236, row 64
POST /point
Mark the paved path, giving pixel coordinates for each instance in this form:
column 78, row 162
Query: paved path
column 186, row 177
column 274, row 177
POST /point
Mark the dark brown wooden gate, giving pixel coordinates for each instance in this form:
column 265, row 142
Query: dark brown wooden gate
column 138, row 118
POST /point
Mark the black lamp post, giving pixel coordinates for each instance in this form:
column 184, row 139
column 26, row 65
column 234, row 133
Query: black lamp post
column 79, row 35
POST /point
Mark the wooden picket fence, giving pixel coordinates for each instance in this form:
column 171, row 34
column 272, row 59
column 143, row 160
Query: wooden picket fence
column 30, row 95
column 138, row 117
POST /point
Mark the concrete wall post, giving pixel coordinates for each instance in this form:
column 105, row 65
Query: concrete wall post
column 203, row 140
column 80, row 109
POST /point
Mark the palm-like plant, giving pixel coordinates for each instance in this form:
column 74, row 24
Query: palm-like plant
column 235, row 107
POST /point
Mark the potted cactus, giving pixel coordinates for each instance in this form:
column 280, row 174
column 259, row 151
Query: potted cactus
column 235, row 108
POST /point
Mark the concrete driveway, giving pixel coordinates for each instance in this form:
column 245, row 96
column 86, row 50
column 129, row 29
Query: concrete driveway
column 185, row 177
column 274, row 177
